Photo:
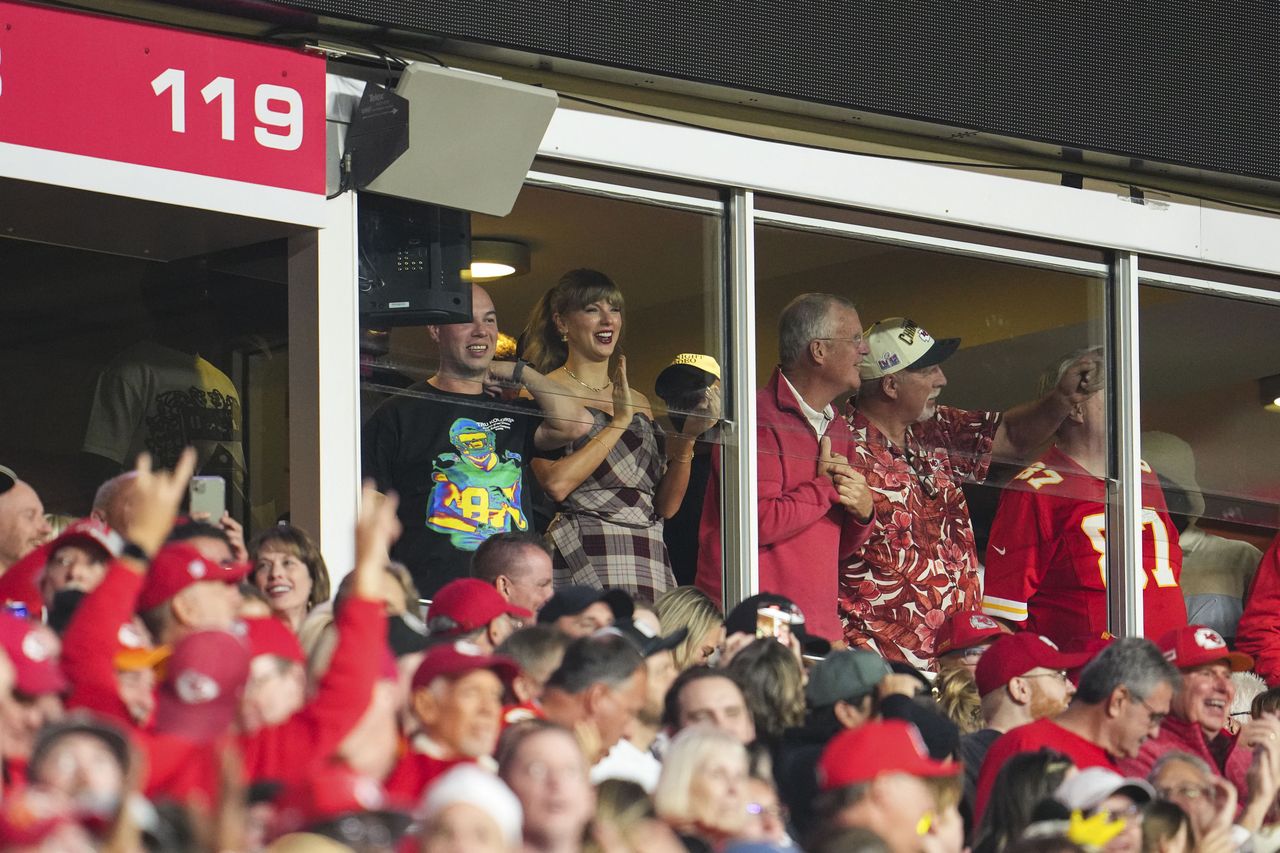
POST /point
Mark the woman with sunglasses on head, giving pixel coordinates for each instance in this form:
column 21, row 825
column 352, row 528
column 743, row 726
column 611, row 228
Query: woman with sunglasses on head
column 614, row 486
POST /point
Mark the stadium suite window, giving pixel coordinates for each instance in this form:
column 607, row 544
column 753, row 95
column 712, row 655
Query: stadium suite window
column 200, row 347
column 661, row 243
column 1210, row 427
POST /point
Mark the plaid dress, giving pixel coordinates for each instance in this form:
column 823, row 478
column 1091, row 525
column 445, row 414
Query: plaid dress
column 606, row 533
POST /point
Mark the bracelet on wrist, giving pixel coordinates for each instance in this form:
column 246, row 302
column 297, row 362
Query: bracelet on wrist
column 686, row 458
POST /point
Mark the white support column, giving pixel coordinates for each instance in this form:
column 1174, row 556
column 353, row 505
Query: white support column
column 1124, row 495
column 324, row 417
column 740, row 527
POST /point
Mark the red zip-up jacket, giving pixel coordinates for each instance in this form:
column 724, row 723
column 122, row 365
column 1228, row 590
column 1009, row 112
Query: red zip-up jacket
column 90, row 642
column 804, row 532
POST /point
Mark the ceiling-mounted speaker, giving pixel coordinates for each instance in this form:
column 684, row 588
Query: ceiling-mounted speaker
column 472, row 139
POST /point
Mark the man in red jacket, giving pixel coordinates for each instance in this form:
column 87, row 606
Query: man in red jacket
column 813, row 508
column 1201, row 708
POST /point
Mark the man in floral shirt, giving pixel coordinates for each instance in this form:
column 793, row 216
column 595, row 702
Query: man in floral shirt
column 919, row 563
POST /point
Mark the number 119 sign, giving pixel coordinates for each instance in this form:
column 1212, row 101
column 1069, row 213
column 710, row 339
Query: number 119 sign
column 154, row 96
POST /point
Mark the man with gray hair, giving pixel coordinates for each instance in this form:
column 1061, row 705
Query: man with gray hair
column 1123, row 696
column 1045, row 553
column 814, row 509
column 600, row 687
column 920, row 563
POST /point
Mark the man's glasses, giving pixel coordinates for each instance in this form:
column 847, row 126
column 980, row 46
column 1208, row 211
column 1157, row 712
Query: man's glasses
column 1154, row 718
column 1060, row 674
column 1186, row 792
column 8, row 479
column 856, row 340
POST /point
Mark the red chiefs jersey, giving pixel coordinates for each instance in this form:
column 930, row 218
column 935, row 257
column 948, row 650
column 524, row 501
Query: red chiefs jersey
column 1046, row 566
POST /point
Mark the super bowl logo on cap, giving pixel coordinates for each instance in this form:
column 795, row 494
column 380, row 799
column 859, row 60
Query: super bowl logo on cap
column 195, row 688
column 980, row 622
column 196, row 569
column 1207, row 638
column 888, row 360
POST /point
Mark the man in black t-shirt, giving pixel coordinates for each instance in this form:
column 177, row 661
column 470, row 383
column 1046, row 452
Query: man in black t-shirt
column 458, row 454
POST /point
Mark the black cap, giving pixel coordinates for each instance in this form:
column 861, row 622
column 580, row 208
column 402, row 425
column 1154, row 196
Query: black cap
column 572, row 600
column 406, row 635
column 742, row 620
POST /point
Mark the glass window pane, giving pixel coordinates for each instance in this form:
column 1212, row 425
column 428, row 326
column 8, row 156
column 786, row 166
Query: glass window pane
column 604, row 522
column 930, row 444
column 106, row 356
column 1210, row 377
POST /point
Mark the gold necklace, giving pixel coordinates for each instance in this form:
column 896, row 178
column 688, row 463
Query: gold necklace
column 575, row 378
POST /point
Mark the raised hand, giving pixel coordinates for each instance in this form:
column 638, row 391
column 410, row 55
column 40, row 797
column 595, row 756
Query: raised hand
column 706, row 415
column 624, row 405
column 156, row 497
column 1082, row 379
column 377, row 527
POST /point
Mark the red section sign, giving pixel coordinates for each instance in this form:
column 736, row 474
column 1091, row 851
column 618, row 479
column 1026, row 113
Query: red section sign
column 153, row 96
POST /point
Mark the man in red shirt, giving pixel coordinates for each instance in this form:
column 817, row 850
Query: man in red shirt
column 1046, row 555
column 813, row 508
column 1122, row 699
column 920, row 562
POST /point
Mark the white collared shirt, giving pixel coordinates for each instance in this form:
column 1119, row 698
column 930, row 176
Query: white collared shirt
column 818, row 420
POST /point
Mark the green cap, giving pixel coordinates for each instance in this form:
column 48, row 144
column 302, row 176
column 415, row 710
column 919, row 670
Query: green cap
column 846, row 675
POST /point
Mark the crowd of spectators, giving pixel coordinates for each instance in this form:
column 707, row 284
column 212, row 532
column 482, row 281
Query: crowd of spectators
column 471, row 685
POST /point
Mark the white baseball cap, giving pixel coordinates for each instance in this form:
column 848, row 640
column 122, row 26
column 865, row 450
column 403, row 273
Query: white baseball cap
column 898, row 343
column 1088, row 788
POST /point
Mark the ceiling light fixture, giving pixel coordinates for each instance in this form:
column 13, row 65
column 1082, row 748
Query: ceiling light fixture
column 494, row 259
column 1269, row 391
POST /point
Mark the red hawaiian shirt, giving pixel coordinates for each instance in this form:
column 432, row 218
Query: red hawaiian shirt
column 919, row 563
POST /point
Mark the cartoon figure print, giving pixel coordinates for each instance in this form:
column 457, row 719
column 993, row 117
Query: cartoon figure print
column 476, row 493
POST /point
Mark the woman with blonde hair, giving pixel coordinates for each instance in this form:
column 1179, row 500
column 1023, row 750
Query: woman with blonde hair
column 702, row 792
column 690, row 607
column 958, row 699
column 616, row 485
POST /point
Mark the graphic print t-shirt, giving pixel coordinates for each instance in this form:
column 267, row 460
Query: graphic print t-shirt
column 459, row 463
column 157, row 399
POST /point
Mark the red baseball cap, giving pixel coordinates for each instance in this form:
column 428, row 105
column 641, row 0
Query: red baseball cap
column 33, row 650
column 1018, row 654
column 269, row 636
column 471, row 603
column 205, row 677
column 965, row 628
column 179, row 565
column 875, row 748
column 1193, row 645
column 454, row 659
column 91, row 532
